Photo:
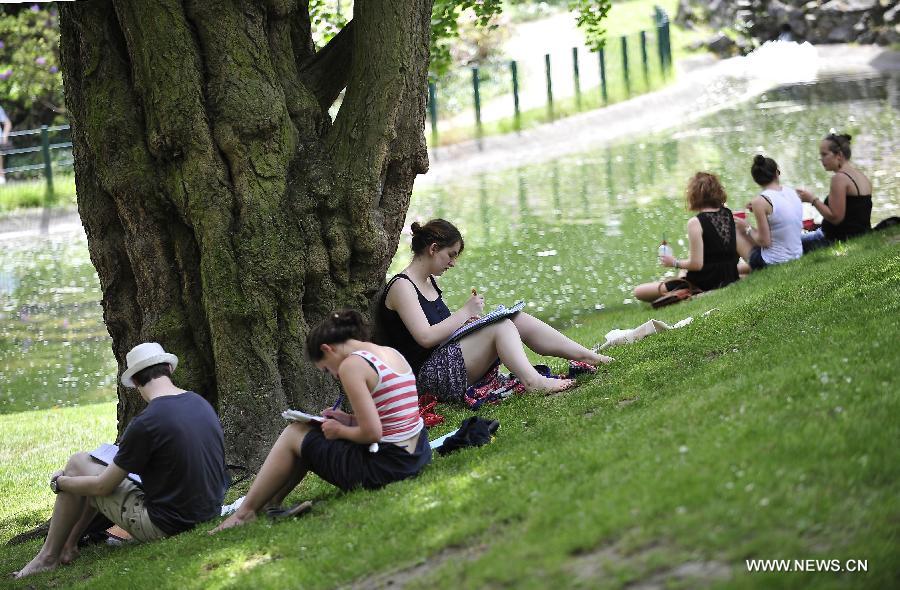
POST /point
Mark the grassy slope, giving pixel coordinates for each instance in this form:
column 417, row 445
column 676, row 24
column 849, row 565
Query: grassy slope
column 767, row 429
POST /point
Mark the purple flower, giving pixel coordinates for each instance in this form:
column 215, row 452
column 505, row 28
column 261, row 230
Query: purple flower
column 53, row 69
column 2, row 44
column 5, row 75
column 40, row 60
column 35, row 8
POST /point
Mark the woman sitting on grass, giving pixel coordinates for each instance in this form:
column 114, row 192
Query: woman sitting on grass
column 381, row 389
column 713, row 252
column 847, row 210
column 414, row 319
column 779, row 221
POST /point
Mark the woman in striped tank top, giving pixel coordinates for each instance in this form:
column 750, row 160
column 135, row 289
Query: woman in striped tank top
column 381, row 388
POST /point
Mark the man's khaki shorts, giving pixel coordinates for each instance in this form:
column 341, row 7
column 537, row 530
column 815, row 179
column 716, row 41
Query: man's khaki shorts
column 125, row 507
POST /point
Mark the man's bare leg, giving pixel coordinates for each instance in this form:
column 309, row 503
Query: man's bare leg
column 68, row 512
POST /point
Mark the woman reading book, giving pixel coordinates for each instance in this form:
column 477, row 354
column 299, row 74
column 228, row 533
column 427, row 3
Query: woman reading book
column 413, row 318
column 381, row 389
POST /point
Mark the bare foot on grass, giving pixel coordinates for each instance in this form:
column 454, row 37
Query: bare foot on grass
column 549, row 385
column 237, row 519
column 37, row 565
column 601, row 359
column 69, row 554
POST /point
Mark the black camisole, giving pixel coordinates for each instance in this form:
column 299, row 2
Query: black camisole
column 394, row 331
column 857, row 216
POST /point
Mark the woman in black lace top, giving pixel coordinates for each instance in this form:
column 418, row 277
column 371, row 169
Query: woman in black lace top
column 713, row 248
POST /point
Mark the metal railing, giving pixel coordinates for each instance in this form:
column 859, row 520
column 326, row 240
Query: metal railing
column 33, row 156
column 617, row 68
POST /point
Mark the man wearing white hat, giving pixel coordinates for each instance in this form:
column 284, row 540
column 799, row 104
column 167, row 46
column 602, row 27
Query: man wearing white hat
column 176, row 447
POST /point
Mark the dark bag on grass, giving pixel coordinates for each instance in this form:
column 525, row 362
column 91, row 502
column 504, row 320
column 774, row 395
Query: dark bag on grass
column 886, row 223
column 473, row 432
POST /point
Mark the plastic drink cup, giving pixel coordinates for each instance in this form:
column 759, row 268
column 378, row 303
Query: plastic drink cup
column 664, row 250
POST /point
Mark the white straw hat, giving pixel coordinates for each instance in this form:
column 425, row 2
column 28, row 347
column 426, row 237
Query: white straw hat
column 143, row 356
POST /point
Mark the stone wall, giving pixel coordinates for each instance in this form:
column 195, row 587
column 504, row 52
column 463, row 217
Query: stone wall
column 816, row 21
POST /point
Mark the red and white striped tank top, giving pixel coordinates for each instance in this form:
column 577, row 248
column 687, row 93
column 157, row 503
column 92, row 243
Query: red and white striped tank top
column 396, row 400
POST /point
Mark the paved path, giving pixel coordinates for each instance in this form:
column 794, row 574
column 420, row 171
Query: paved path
column 702, row 87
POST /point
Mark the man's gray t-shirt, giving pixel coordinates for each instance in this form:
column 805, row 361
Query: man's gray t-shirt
column 176, row 446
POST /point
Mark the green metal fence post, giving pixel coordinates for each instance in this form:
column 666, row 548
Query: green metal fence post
column 602, row 57
column 514, row 70
column 661, row 49
column 625, row 65
column 644, row 65
column 432, row 110
column 576, row 77
column 549, row 85
column 477, row 96
column 668, row 39
column 49, row 195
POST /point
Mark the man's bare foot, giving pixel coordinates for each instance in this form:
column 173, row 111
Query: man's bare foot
column 37, row 565
column 237, row 519
column 69, row 554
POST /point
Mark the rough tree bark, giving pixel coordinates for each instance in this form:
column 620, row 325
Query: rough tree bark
column 225, row 212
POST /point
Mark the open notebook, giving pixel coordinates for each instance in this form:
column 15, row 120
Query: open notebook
column 501, row 312
column 298, row 416
column 105, row 454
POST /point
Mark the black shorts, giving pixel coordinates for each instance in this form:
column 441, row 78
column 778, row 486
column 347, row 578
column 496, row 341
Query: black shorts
column 349, row 465
column 756, row 261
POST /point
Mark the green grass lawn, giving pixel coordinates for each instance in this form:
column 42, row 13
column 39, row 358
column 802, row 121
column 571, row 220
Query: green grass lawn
column 767, row 429
column 22, row 194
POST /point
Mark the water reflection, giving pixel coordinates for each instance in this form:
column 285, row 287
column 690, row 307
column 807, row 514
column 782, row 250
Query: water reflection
column 569, row 236
column 603, row 213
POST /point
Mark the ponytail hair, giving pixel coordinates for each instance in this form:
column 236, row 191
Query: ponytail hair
column 339, row 326
column 437, row 231
column 764, row 170
column 839, row 143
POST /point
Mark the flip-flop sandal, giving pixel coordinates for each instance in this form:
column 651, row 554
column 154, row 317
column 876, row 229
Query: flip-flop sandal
column 292, row 511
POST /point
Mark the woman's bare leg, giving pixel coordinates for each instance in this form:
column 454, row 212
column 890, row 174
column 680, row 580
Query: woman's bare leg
column 744, row 247
column 650, row 291
column 295, row 478
column 502, row 339
column 279, row 468
column 547, row 341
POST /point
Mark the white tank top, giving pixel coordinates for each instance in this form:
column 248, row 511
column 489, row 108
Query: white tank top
column 785, row 226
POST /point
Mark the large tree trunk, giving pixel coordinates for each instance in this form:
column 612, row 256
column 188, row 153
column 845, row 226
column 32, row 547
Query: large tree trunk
column 224, row 212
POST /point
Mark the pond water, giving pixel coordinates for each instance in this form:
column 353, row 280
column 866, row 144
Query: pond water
column 570, row 236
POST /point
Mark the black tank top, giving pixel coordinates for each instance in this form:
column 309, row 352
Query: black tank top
column 394, row 331
column 857, row 216
column 720, row 255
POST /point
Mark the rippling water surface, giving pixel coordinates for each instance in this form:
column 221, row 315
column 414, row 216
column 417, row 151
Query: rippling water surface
column 569, row 236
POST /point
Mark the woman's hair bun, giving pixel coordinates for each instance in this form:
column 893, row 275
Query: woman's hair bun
column 337, row 327
column 759, row 159
column 415, row 227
